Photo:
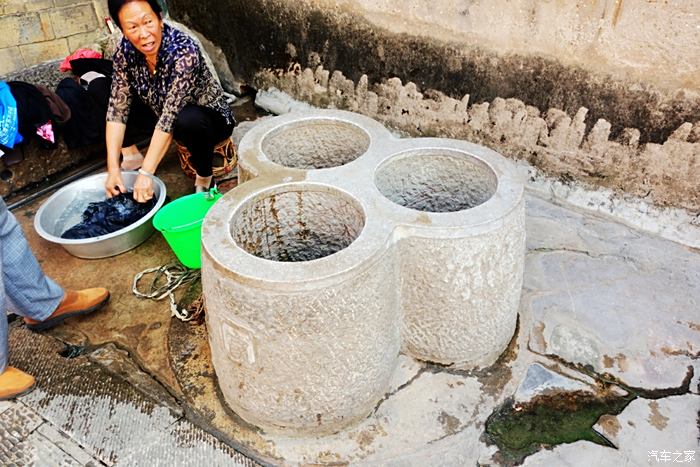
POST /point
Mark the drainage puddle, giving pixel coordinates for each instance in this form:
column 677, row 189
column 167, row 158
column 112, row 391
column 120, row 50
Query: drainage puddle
column 73, row 351
column 521, row 430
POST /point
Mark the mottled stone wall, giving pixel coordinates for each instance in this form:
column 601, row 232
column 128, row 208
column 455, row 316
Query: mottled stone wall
column 34, row 31
column 560, row 144
column 601, row 92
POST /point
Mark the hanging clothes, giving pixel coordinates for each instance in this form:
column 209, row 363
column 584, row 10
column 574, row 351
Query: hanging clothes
column 80, row 66
column 33, row 111
column 87, row 123
column 9, row 120
column 80, row 53
column 59, row 109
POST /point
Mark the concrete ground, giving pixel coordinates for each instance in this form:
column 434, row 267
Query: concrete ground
column 608, row 313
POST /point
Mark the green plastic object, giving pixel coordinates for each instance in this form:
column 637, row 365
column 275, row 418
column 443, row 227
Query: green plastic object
column 180, row 222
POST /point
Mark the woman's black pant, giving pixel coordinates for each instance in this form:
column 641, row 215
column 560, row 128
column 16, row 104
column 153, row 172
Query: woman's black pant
column 197, row 128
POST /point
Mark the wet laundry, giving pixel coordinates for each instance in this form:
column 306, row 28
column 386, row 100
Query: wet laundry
column 110, row 215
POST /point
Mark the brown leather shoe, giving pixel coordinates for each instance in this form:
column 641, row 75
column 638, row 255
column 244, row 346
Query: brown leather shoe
column 14, row 382
column 74, row 303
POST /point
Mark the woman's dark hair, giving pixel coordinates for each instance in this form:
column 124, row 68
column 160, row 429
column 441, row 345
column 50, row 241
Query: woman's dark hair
column 116, row 5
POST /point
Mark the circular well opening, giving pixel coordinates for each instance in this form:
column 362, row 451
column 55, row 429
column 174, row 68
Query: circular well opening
column 298, row 224
column 436, row 180
column 317, row 143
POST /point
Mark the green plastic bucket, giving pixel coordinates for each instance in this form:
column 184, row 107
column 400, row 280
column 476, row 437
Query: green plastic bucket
column 180, row 222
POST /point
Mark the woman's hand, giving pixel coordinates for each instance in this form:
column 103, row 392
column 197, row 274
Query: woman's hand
column 114, row 183
column 143, row 188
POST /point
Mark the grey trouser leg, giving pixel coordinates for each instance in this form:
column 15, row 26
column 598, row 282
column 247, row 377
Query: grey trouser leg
column 24, row 288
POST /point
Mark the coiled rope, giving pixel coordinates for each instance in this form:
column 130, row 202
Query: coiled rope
column 166, row 280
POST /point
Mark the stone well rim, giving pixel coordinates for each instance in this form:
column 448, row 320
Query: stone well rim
column 361, row 253
column 445, row 153
column 253, row 158
column 477, row 220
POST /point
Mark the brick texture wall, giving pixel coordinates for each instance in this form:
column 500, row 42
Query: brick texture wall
column 34, row 31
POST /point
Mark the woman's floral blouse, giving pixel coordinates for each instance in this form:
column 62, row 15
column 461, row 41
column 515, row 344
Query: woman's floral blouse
column 181, row 77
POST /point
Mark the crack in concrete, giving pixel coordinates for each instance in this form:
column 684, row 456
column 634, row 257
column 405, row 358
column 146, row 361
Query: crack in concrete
column 625, row 259
column 606, row 380
column 399, row 388
column 129, row 358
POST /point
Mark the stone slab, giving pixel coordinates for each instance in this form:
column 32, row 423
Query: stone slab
column 84, row 40
column 119, row 363
column 601, row 294
column 43, row 51
column 25, row 29
column 16, row 423
column 539, row 380
column 580, row 453
column 407, row 425
column 10, row 60
column 5, row 405
column 103, row 413
column 37, row 450
column 67, row 445
column 75, row 19
column 184, row 445
column 649, row 431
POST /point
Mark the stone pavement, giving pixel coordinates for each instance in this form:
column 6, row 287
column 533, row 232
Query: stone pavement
column 607, row 313
column 80, row 413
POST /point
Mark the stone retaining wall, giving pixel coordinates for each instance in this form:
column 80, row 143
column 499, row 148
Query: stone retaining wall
column 562, row 145
column 602, row 92
column 34, row 31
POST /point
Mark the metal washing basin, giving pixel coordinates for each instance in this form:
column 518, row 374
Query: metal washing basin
column 64, row 208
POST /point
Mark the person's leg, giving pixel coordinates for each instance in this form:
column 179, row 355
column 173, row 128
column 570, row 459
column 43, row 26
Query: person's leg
column 200, row 129
column 31, row 293
column 13, row 382
column 3, row 326
column 26, row 290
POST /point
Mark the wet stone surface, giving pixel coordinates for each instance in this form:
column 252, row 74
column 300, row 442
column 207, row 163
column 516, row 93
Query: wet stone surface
column 603, row 295
column 589, row 284
column 434, row 413
column 521, row 430
column 81, row 414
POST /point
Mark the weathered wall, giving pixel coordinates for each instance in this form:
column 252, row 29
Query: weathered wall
column 576, row 88
column 34, row 31
column 651, row 40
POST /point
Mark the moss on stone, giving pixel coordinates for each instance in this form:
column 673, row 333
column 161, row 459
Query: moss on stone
column 546, row 421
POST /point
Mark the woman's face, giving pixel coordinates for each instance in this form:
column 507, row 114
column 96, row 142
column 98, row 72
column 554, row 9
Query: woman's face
column 142, row 27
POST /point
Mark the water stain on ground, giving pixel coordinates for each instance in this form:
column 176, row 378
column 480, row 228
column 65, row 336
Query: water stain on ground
column 538, row 336
column 657, row 420
column 366, row 437
column 450, row 423
column 610, row 424
column 546, row 421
